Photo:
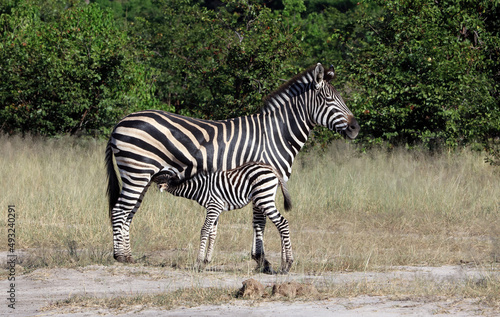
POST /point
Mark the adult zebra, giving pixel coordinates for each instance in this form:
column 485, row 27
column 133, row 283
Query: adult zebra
column 234, row 189
column 148, row 142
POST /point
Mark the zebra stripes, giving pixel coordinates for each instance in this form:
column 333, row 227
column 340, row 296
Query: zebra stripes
column 234, row 189
column 146, row 143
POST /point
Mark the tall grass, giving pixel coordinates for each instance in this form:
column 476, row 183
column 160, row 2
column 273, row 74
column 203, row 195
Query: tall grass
column 57, row 187
column 396, row 208
column 352, row 211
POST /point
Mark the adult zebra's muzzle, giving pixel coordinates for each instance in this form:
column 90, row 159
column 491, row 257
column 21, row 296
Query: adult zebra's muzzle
column 352, row 129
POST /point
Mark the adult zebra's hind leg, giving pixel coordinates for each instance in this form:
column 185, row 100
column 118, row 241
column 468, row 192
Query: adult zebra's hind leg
column 258, row 254
column 128, row 203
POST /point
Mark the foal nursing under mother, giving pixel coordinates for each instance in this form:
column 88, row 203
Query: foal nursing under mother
column 151, row 142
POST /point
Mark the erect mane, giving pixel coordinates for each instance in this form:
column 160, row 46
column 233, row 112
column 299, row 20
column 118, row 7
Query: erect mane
column 283, row 88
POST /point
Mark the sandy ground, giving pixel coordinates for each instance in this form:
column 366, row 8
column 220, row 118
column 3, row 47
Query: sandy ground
column 35, row 291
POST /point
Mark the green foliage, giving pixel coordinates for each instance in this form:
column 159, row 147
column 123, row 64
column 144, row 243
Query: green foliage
column 220, row 63
column 318, row 25
column 293, row 7
column 129, row 10
column 493, row 152
column 66, row 72
column 425, row 72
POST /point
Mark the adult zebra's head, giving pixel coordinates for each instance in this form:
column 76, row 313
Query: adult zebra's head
column 329, row 109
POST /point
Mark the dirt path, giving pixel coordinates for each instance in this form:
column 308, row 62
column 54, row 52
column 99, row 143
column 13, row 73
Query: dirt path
column 35, row 292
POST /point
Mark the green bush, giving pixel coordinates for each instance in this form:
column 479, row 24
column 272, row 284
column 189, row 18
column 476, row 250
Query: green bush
column 69, row 73
column 425, row 72
column 220, row 63
column 413, row 72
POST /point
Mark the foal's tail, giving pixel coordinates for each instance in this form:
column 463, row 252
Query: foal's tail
column 286, row 194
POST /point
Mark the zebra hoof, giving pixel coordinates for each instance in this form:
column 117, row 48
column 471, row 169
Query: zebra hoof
column 199, row 266
column 123, row 259
column 264, row 266
column 267, row 270
column 284, row 271
column 285, row 268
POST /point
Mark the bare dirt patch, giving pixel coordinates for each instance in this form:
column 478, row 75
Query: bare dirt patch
column 43, row 291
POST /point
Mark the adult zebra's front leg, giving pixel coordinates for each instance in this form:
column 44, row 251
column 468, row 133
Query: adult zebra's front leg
column 258, row 254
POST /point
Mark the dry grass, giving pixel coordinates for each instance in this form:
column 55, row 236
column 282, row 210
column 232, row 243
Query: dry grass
column 188, row 297
column 379, row 209
column 351, row 211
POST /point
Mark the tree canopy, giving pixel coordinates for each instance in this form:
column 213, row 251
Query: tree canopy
column 413, row 72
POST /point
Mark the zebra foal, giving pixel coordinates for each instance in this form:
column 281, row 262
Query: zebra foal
column 233, row 189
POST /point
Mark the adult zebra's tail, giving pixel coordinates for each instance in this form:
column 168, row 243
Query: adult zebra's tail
column 113, row 190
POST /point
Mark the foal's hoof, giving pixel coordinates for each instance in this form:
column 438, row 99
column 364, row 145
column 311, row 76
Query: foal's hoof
column 286, row 268
column 199, row 266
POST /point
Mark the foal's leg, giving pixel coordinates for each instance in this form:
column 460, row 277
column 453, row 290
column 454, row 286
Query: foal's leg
column 213, row 212
column 211, row 242
column 286, row 246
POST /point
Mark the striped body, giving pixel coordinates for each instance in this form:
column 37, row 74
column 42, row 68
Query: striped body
column 149, row 143
column 234, row 189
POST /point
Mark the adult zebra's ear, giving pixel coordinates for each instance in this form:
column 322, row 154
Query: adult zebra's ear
column 330, row 74
column 319, row 73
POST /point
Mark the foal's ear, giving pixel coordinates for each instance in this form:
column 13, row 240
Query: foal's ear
column 319, row 73
column 329, row 74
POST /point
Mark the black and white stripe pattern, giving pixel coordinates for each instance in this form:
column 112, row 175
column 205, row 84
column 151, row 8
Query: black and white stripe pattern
column 234, row 189
column 146, row 143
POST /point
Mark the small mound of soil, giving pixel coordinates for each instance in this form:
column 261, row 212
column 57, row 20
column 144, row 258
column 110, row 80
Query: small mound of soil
column 294, row 289
column 253, row 289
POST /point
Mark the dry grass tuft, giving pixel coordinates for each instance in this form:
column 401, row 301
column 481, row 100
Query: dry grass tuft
column 188, row 297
